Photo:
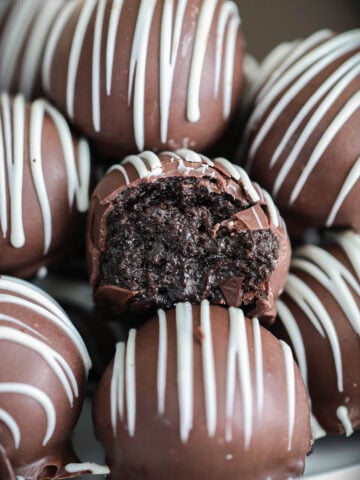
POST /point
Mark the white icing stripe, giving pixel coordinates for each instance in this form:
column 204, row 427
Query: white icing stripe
column 259, row 367
column 122, row 170
column 333, row 276
column 351, row 107
column 162, row 359
column 13, row 39
column 291, row 390
column 302, row 65
column 96, row 59
column 88, row 467
column 40, row 397
column 137, row 75
column 294, row 90
column 15, row 321
column 208, row 369
column 344, row 68
column 274, row 212
column 38, row 301
column 238, row 356
column 35, row 45
column 14, row 128
column 289, row 322
column 205, row 21
column 184, row 328
column 350, row 243
column 302, row 48
column 55, row 361
column 36, row 126
column 17, row 234
column 3, row 199
column 343, row 415
column 239, row 174
column 349, row 184
column 228, row 9
column 75, row 52
column 116, row 9
column 117, row 386
column 308, row 301
column 169, row 47
column 56, row 31
column 230, row 57
column 130, row 379
column 237, row 315
column 13, row 427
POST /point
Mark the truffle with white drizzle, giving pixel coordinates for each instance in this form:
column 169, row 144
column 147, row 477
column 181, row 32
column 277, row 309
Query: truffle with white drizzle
column 319, row 315
column 44, row 185
column 146, row 74
column 199, row 392
column 302, row 143
column 178, row 226
column 43, row 370
column 24, row 26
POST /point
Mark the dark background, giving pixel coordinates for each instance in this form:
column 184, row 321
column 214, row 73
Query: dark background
column 266, row 23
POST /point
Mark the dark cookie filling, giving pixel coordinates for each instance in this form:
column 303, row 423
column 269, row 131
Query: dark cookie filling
column 162, row 243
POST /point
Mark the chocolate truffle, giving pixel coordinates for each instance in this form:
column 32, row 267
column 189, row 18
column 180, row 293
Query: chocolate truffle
column 144, row 74
column 44, row 185
column 302, row 137
column 24, row 26
column 43, row 370
column 180, row 227
column 319, row 315
column 202, row 392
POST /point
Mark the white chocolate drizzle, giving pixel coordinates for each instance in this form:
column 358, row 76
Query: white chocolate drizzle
column 292, row 79
column 12, row 425
column 343, row 415
column 161, row 375
column 149, row 164
column 208, row 369
column 291, row 390
column 22, row 42
column 130, row 381
column 13, row 141
column 342, row 285
column 107, row 24
column 245, row 349
column 29, row 300
column 184, row 330
column 40, row 397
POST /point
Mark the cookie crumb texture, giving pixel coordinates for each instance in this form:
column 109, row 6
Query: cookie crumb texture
column 174, row 240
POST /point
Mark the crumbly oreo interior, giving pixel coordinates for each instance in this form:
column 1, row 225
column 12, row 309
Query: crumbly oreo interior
column 164, row 241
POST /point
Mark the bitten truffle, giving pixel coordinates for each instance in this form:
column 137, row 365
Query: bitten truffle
column 138, row 75
column 319, row 315
column 43, row 370
column 181, row 227
column 202, row 392
column 302, row 137
column 44, row 185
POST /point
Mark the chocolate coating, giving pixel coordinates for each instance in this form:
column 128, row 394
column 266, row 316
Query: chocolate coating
column 302, row 143
column 43, row 370
column 207, row 393
column 319, row 315
column 204, row 231
column 24, row 27
column 146, row 75
column 44, row 185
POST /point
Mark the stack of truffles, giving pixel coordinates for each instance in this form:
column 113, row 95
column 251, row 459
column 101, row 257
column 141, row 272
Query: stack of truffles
column 188, row 257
